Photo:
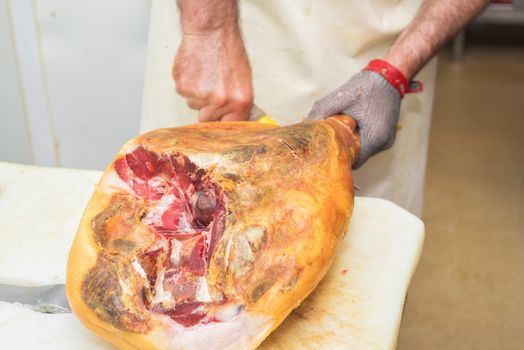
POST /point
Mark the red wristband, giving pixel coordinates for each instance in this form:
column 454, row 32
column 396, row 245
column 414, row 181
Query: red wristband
column 394, row 77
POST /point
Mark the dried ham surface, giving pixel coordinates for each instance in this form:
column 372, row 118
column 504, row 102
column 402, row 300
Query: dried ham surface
column 211, row 224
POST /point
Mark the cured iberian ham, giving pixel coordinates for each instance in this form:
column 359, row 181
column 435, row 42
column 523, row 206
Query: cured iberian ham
column 207, row 236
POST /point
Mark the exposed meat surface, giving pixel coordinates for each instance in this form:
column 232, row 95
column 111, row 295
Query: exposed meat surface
column 187, row 314
column 174, row 220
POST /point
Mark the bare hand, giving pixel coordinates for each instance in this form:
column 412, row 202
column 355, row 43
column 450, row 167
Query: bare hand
column 212, row 72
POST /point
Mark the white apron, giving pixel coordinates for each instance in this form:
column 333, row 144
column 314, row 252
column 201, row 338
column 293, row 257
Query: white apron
column 300, row 50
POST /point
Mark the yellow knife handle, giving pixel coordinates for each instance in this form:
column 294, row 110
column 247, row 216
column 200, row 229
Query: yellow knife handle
column 267, row 120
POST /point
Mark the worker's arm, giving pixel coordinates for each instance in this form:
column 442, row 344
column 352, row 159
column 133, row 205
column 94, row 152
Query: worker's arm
column 372, row 97
column 436, row 22
column 211, row 68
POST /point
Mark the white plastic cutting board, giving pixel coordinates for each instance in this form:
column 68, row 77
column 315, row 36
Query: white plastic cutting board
column 358, row 305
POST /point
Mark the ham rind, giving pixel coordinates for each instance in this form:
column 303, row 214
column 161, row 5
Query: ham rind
column 209, row 235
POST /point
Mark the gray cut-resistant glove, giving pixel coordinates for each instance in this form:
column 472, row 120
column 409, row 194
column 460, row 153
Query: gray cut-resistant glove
column 374, row 104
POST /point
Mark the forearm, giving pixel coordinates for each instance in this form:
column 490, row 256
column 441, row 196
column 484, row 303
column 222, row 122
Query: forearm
column 436, row 22
column 211, row 68
column 205, row 16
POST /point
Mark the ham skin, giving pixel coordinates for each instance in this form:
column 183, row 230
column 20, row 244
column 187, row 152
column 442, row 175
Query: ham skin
column 209, row 235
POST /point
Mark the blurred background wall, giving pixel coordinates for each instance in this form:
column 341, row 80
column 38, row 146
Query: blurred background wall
column 72, row 75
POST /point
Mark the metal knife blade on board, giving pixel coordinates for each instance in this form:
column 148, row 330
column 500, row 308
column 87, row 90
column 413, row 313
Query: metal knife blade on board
column 49, row 299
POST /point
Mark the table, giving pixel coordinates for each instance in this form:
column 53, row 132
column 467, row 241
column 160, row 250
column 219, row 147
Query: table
column 358, row 305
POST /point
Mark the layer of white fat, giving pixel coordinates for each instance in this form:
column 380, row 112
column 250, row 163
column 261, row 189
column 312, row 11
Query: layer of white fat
column 154, row 215
column 202, row 292
column 176, row 247
column 138, row 268
column 112, row 183
column 161, row 295
column 129, row 147
column 229, row 311
column 155, row 181
column 125, row 285
column 184, row 224
column 254, row 235
column 244, row 256
column 209, row 160
column 243, row 331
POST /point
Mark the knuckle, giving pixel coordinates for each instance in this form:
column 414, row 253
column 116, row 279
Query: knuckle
column 243, row 97
column 235, row 101
column 182, row 90
column 243, row 102
column 182, row 84
column 219, row 99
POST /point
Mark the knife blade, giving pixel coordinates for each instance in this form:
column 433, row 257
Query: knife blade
column 49, row 299
column 258, row 115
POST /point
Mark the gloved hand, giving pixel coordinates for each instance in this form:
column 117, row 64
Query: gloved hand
column 212, row 71
column 373, row 102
